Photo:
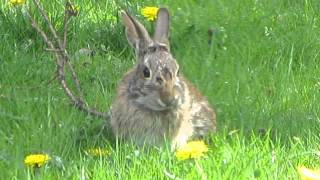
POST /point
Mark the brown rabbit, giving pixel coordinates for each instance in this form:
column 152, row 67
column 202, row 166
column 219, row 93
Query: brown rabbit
column 154, row 102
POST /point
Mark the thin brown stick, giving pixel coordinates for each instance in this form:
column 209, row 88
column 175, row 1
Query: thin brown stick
column 67, row 15
column 64, row 54
column 53, row 50
column 65, row 22
column 76, row 101
column 44, row 15
column 76, row 81
column 62, row 57
column 43, row 34
column 52, row 79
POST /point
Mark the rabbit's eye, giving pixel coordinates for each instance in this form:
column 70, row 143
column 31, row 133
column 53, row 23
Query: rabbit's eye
column 146, row 72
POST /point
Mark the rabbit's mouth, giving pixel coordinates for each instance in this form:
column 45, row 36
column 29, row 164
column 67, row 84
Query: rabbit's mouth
column 171, row 105
column 161, row 106
column 156, row 104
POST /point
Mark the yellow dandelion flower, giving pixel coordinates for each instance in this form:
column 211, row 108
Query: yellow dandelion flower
column 73, row 10
column 36, row 160
column 308, row 174
column 150, row 13
column 193, row 149
column 97, row 152
column 17, row 2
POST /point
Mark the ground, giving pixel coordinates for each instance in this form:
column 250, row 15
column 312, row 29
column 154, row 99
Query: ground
column 256, row 61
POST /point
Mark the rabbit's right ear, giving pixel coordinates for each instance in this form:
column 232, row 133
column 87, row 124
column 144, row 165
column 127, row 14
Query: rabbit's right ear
column 162, row 27
column 137, row 35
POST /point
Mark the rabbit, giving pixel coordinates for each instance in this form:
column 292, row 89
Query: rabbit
column 154, row 102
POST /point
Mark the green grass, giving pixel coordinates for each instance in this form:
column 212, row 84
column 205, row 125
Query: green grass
column 261, row 72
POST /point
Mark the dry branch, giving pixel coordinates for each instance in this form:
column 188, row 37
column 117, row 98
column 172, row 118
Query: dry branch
column 58, row 49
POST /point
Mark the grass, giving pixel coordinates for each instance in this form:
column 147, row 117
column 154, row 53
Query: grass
column 261, row 73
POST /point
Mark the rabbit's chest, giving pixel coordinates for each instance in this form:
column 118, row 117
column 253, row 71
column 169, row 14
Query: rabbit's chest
column 131, row 123
column 172, row 127
column 154, row 126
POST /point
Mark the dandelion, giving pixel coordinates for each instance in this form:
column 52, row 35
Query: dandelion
column 150, row 13
column 193, row 149
column 36, row 160
column 97, row 152
column 73, row 10
column 17, row 2
column 308, row 174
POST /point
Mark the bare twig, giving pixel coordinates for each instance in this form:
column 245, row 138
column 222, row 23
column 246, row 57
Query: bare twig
column 52, row 79
column 66, row 22
column 62, row 57
column 37, row 28
column 44, row 15
column 53, row 50
column 75, row 80
column 69, row 12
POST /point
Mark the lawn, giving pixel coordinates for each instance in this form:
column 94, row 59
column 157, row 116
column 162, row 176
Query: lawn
column 257, row 61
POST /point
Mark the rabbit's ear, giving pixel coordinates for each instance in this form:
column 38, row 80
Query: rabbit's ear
column 137, row 35
column 162, row 26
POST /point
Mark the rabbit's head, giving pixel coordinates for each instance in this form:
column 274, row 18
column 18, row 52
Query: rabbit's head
column 155, row 84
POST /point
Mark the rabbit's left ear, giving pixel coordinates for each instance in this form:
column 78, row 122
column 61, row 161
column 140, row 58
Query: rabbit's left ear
column 138, row 37
column 162, row 27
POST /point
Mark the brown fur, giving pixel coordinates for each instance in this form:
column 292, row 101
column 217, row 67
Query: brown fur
column 163, row 106
column 194, row 119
